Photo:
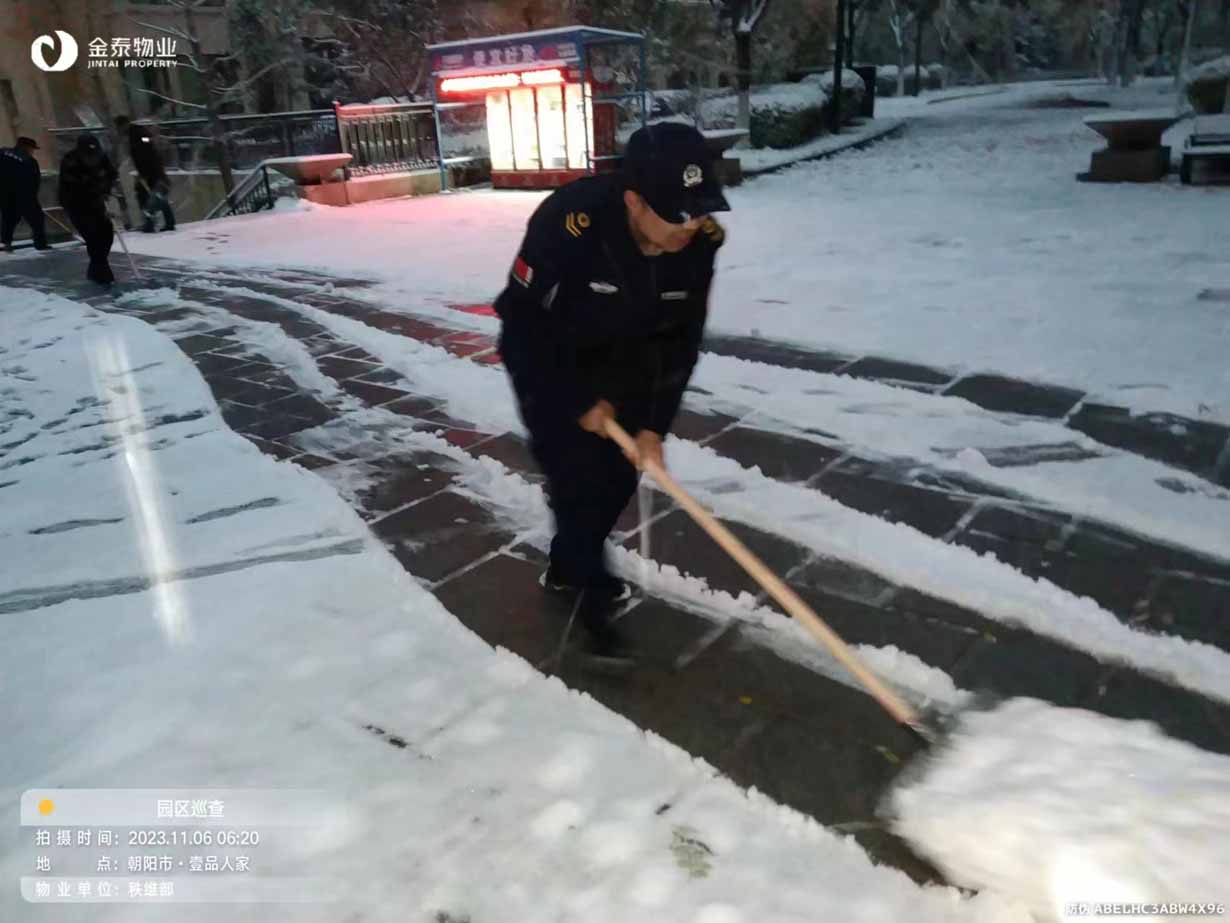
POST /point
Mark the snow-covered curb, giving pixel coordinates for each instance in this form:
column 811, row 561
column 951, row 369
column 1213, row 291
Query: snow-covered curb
column 757, row 162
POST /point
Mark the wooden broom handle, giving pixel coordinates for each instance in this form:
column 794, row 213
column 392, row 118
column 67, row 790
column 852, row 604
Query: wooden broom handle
column 772, row 584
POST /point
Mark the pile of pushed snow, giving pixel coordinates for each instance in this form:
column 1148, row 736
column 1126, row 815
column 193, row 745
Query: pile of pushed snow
column 1060, row 808
column 293, row 204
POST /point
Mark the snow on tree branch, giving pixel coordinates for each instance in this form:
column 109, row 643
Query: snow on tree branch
column 753, row 11
column 170, row 99
column 166, row 30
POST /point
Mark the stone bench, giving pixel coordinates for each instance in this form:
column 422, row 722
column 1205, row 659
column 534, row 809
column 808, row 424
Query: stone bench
column 1217, row 154
column 1134, row 152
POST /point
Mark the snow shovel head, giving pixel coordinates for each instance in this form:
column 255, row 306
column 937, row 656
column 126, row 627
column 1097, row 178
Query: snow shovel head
column 1063, row 809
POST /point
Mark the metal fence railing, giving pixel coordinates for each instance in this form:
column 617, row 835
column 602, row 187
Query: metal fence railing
column 188, row 145
column 388, row 138
column 254, row 194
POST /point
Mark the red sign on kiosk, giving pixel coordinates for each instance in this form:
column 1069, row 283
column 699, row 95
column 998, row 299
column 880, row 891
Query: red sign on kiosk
column 544, row 125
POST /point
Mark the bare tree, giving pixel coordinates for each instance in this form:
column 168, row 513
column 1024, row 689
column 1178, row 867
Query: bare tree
column 745, row 16
column 1190, row 9
column 219, row 89
column 901, row 16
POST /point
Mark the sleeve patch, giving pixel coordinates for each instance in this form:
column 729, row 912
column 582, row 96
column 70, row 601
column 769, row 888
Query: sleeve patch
column 523, row 272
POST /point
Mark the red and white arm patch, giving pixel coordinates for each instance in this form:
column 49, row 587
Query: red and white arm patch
column 523, row 272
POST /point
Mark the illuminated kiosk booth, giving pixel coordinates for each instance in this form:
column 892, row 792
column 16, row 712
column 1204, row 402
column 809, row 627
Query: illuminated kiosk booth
column 553, row 98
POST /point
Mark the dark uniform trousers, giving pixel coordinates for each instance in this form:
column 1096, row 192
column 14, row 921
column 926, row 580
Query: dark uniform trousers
column 94, row 226
column 586, row 316
column 589, row 481
column 153, row 195
column 19, row 184
column 86, row 178
column 16, row 208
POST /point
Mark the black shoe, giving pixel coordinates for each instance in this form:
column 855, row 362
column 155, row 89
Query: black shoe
column 43, row 247
column 608, row 589
column 169, row 227
column 607, row 647
column 148, row 229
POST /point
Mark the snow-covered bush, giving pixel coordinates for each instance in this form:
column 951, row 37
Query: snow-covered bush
column 886, row 80
column 783, row 114
column 937, row 76
column 781, row 128
column 852, row 88
column 1206, row 86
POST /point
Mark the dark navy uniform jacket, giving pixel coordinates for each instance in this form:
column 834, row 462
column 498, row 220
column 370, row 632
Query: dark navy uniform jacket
column 587, row 316
column 20, row 175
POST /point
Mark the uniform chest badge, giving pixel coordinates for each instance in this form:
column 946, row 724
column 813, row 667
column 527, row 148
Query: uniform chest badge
column 603, row 288
column 674, row 296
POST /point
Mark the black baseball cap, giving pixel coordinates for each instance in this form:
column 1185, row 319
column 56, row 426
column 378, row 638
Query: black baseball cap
column 23, row 141
column 669, row 164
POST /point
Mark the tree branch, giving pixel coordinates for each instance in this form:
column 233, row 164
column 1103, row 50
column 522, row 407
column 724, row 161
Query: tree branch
column 166, row 30
column 177, row 102
column 248, row 81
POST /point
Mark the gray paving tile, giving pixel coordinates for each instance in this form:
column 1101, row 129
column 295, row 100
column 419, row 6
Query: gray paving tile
column 871, row 367
column 403, row 478
column 512, row 452
column 412, row 406
column 629, row 520
column 756, row 350
column 678, row 541
column 930, row 511
column 372, row 394
column 301, row 405
column 938, row 643
column 837, row 578
column 1190, row 444
column 1011, row 395
column 201, row 343
column 440, row 535
column 699, row 427
column 1123, row 693
column 501, row 601
column 784, row 458
column 279, row 427
column 341, row 369
column 1194, row 608
column 1013, row 662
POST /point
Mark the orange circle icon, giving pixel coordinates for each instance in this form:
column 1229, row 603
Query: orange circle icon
column 46, row 806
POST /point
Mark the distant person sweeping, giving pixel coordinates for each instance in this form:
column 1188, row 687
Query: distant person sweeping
column 153, row 186
column 20, row 177
column 86, row 178
column 602, row 319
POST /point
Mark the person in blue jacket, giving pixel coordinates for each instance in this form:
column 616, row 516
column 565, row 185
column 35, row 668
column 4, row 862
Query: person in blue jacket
column 602, row 318
column 20, row 176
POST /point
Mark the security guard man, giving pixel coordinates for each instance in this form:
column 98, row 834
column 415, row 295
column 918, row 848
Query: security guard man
column 602, row 318
column 86, row 178
column 153, row 186
column 20, row 177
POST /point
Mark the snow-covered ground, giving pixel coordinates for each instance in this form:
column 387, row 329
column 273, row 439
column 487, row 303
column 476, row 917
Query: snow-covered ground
column 279, row 626
column 276, row 630
column 966, row 243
